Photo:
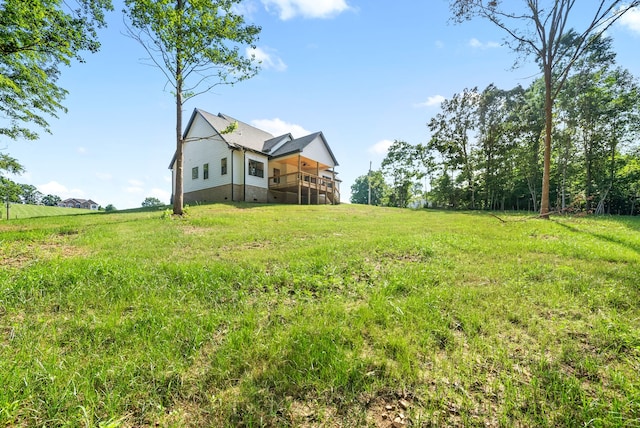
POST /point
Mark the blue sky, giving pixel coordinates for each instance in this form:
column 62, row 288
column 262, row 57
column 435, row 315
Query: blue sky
column 364, row 72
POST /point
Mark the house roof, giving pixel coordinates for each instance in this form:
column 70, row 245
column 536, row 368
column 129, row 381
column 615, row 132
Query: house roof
column 252, row 138
column 79, row 201
column 298, row 145
column 270, row 144
column 244, row 135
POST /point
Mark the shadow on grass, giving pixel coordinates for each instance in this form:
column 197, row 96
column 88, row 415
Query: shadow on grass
column 601, row 237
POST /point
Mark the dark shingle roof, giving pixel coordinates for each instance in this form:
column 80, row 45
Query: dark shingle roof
column 270, row 144
column 299, row 144
column 245, row 135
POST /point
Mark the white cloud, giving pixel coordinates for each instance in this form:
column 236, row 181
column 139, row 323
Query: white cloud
column 477, row 44
column 288, row 9
column 435, row 100
column 161, row 194
column 631, row 20
column 246, row 9
column 55, row 188
column 82, row 150
column 136, row 183
column 267, row 59
column 381, row 147
column 279, row 127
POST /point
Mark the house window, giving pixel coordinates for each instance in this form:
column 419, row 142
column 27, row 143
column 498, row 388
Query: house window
column 194, row 173
column 276, row 176
column 205, row 171
column 256, row 168
column 223, row 166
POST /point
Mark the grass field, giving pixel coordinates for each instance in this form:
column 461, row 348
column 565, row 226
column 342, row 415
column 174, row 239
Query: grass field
column 21, row 211
column 256, row 315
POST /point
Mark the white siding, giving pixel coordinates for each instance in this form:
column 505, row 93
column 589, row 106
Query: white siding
column 203, row 145
column 317, row 151
column 257, row 181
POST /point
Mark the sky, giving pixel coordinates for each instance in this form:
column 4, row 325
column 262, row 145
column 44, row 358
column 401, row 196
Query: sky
column 364, row 72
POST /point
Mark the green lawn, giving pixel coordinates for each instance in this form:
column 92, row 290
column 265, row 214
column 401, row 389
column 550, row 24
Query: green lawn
column 261, row 315
column 19, row 211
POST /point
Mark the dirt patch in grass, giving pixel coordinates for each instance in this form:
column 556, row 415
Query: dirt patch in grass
column 20, row 254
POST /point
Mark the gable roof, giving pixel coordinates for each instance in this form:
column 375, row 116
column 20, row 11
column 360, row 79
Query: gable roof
column 272, row 143
column 244, row 135
column 298, row 145
column 252, row 138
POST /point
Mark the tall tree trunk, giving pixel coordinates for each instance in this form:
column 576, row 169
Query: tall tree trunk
column 548, row 120
column 178, row 197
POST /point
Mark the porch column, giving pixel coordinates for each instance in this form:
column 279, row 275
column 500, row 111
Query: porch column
column 299, row 180
column 318, row 183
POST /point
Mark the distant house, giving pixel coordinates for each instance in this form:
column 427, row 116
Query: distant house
column 87, row 204
column 228, row 160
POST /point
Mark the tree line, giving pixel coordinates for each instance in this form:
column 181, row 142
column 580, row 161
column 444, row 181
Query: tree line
column 486, row 146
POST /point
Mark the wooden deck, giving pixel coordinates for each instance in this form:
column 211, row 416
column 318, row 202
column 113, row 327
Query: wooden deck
column 308, row 187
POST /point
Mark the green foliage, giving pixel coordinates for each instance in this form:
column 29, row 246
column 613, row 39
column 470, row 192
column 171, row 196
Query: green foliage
column 379, row 189
column 265, row 315
column 51, row 200
column 110, row 208
column 151, row 201
column 196, row 44
column 404, row 166
column 36, row 38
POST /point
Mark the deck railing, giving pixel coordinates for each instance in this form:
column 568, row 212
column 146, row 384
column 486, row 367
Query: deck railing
column 311, row 182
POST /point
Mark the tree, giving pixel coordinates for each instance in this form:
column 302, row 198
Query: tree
column 29, row 194
column 51, row 200
column 36, row 38
column 152, row 202
column 9, row 191
column 195, row 43
column 110, row 208
column 451, row 134
column 401, row 165
column 379, row 189
column 539, row 30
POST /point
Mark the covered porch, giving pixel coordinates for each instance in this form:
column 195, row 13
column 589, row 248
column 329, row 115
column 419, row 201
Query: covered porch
column 298, row 179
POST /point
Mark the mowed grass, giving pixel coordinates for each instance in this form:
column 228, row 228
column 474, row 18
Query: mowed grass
column 21, row 211
column 258, row 315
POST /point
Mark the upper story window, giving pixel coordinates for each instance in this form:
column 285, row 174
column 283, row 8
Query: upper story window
column 205, row 171
column 256, row 168
column 223, row 166
column 194, row 173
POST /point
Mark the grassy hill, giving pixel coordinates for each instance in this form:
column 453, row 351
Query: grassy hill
column 18, row 211
column 256, row 315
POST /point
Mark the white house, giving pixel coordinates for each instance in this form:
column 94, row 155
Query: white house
column 228, row 160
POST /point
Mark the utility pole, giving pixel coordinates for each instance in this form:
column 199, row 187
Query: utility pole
column 369, row 183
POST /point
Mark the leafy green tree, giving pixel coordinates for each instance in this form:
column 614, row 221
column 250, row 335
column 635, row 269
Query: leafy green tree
column 451, row 135
column 538, row 28
column 110, row 208
column 152, row 202
column 51, row 200
column 195, row 43
column 36, row 38
column 10, row 165
column 29, row 194
column 9, row 191
column 402, row 166
column 379, row 189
